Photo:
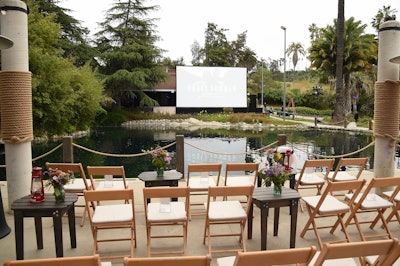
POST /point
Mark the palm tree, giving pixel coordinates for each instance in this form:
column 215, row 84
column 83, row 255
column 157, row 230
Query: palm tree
column 295, row 49
column 384, row 14
column 339, row 112
column 359, row 55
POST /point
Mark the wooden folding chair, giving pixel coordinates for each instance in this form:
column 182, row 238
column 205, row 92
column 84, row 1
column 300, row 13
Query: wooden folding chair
column 298, row 256
column 198, row 180
column 111, row 215
column 226, row 212
column 76, row 185
column 395, row 208
column 169, row 261
column 391, row 259
column 307, row 178
column 339, row 175
column 326, row 205
column 369, row 201
column 103, row 172
column 161, row 214
column 67, row 261
column 235, row 174
column 345, row 253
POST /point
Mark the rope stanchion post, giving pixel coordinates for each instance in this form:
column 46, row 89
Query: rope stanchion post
column 180, row 154
column 68, row 152
column 281, row 139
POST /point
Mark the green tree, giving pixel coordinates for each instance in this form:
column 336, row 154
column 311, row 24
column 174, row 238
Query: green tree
column 65, row 98
column 360, row 54
column 384, row 14
column 74, row 40
column 127, row 53
column 295, row 49
column 217, row 50
column 197, row 54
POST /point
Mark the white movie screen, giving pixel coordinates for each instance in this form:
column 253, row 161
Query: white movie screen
column 213, row 87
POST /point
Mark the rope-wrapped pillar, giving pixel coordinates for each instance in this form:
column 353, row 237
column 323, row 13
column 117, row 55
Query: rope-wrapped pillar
column 386, row 111
column 386, row 128
column 16, row 99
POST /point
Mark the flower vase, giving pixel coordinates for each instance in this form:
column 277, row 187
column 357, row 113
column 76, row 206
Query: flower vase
column 59, row 193
column 160, row 172
column 277, row 189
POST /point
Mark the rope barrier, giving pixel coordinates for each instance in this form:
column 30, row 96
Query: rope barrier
column 120, row 155
column 201, row 149
column 222, row 153
column 47, row 153
column 334, row 156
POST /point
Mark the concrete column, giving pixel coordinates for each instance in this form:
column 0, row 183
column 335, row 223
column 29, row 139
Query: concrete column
column 389, row 47
column 14, row 25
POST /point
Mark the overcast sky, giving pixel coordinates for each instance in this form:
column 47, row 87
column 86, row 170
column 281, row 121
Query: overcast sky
column 181, row 22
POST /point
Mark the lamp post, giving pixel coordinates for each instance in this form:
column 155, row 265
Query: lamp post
column 262, row 83
column 284, row 73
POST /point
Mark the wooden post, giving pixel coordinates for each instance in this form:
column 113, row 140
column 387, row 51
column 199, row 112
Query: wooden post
column 68, row 152
column 180, row 154
column 281, row 139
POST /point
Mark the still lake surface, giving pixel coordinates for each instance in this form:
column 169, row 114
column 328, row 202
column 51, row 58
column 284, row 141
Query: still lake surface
column 117, row 140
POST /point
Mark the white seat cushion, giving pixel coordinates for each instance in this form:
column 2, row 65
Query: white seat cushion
column 372, row 201
column 372, row 259
column 239, row 180
column 330, row 204
column 389, row 194
column 221, row 210
column 178, row 212
column 75, row 184
column 226, row 261
column 201, row 183
column 310, row 179
column 341, row 176
column 335, row 262
column 112, row 213
column 110, row 185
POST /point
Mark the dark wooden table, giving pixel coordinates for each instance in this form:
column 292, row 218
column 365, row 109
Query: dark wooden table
column 49, row 208
column 264, row 198
column 170, row 179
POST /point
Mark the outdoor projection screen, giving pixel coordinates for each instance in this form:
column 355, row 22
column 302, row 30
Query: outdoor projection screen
column 198, row 87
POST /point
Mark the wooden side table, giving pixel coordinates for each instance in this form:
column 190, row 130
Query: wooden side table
column 170, row 179
column 264, row 198
column 49, row 208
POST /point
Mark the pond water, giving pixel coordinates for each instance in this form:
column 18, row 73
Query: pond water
column 116, row 140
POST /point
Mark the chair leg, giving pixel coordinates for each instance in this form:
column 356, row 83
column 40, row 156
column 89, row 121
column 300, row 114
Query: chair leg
column 148, row 241
column 133, row 242
column 83, row 217
column 185, row 230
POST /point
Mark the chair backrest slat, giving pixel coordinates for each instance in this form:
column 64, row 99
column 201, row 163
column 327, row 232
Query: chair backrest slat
column 331, row 251
column 299, row 256
column 169, row 261
column 67, row 261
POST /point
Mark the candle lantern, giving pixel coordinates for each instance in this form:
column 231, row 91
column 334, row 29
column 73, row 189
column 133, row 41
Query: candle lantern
column 37, row 188
column 287, row 159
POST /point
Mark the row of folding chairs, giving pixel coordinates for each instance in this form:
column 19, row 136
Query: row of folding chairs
column 359, row 205
column 222, row 206
column 376, row 253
